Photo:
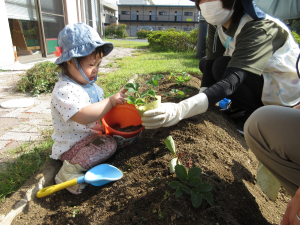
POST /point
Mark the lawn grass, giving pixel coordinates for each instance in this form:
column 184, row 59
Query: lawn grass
column 128, row 44
column 146, row 62
column 31, row 157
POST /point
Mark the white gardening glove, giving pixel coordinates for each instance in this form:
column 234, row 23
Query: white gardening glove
column 69, row 171
column 202, row 89
column 168, row 114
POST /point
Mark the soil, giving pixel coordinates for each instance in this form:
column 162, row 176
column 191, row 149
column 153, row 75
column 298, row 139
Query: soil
column 130, row 128
column 143, row 195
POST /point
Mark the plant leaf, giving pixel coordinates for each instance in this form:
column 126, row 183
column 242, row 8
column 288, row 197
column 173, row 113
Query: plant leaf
column 155, row 83
column 151, row 93
column 174, row 91
column 194, row 181
column 132, row 87
column 194, row 172
column 181, row 173
column 157, row 77
column 196, row 198
column 204, row 187
column 140, row 102
column 170, row 144
column 179, row 191
column 209, row 197
column 144, row 94
column 149, row 82
column 186, row 189
column 131, row 100
column 174, row 184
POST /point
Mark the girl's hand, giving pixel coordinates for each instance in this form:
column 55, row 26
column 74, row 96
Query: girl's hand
column 118, row 98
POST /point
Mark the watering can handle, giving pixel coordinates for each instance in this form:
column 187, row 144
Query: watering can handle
column 54, row 188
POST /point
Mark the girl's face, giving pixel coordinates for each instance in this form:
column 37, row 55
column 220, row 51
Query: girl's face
column 90, row 66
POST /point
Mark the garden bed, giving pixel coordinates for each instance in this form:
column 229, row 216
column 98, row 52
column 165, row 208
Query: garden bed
column 143, row 195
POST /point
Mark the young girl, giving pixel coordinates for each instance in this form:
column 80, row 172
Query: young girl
column 77, row 104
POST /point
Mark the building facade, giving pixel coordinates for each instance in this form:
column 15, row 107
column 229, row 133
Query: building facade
column 32, row 26
column 109, row 13
column 158, row 17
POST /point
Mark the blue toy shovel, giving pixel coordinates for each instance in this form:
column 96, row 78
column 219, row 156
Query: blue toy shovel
column 97, row 176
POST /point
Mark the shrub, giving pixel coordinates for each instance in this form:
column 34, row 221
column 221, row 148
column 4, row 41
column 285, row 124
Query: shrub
column 41, row 78
column 194, row 37
column 142, row 34
column 296, row 37
column 116, row 30
column 172, row 40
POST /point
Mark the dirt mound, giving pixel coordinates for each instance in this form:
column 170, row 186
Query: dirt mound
column 143, row 195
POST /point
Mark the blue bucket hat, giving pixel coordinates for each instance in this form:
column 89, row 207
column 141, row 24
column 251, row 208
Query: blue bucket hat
column 251, row 9
column 79, row 40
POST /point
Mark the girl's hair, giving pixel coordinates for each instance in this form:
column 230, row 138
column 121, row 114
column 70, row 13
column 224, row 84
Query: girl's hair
column 64, row 66
column 227, row 4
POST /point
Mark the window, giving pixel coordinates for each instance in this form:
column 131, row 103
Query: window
column 187, row 28
column 188, row 13
column 162, row 13
column 125, row 12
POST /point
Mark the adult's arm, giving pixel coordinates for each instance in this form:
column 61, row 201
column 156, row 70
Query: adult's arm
column 232, row 79
column 207, row 79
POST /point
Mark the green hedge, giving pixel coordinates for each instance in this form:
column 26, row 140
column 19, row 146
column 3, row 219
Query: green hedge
column 172, row 40
column 296, row 37
column 118, row 31
column 142, row 34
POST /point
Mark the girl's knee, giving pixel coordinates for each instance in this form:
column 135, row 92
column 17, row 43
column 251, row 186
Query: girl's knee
column 100, row 149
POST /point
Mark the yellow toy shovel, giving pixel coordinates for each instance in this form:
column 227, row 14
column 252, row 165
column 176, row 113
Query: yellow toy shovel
column 97, row 176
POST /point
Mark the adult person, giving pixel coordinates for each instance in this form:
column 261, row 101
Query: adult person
column 250, row 59
column 272, row 132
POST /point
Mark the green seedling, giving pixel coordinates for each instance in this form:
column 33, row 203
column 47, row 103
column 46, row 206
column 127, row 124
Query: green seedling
column 191, row 178
column 171, row 146
column 186, row 90
column 180, row 80
column 129, row 166
column 154, row 80
column 160, row 214
column 178, row 94
column 75, row 212
column 137, row 98
column 166, row 195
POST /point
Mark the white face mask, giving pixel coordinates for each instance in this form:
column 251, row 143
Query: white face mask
column 214, row 13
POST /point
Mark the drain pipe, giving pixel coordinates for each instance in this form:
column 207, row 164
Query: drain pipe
column 201, row 42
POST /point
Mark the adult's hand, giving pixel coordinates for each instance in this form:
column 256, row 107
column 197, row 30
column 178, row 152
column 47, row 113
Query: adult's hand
column 292, row 210
column 169, row 114
column 297, row 107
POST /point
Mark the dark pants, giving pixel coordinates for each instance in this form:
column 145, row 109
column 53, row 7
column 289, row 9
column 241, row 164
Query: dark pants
column 248, row 95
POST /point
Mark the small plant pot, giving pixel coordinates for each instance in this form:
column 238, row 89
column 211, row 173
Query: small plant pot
column 152, row 105
column 119, row 117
